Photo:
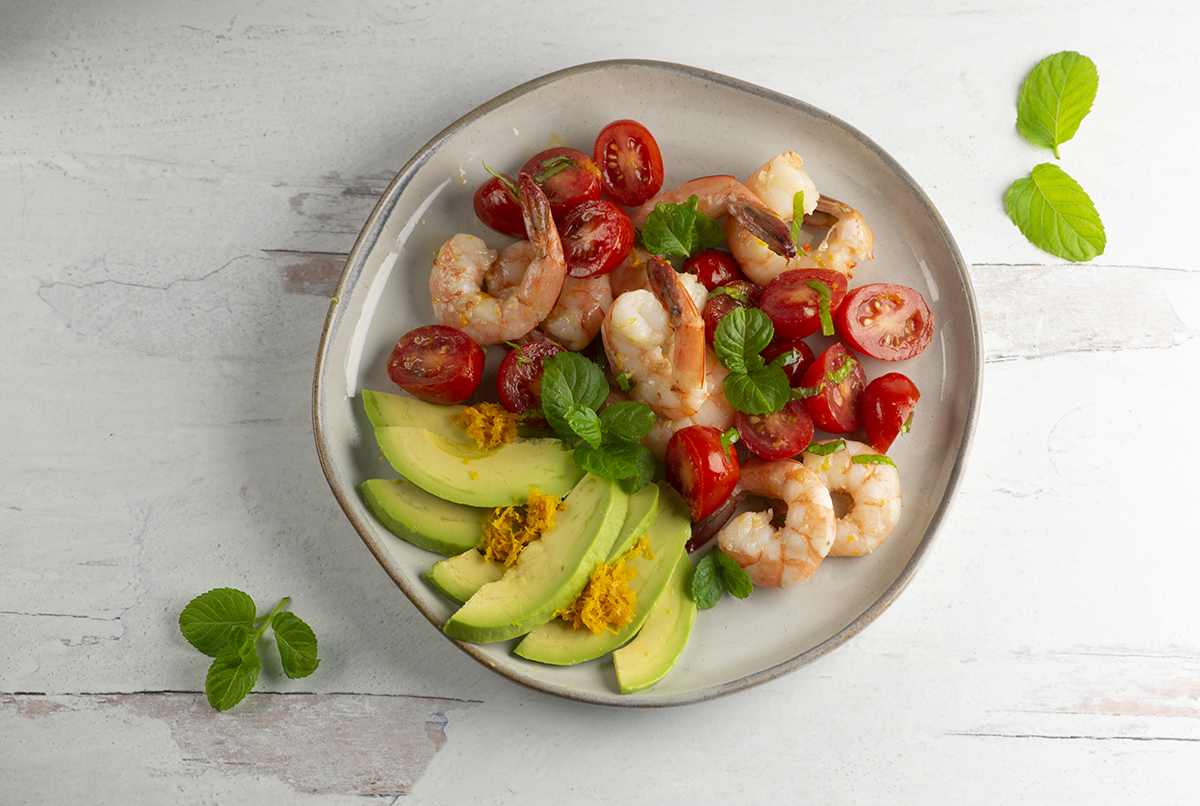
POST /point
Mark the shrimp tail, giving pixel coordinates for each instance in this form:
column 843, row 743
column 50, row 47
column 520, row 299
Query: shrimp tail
column 539, row 222
column 764, row 225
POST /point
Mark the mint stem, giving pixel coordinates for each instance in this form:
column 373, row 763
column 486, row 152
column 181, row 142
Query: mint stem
column 266, row 620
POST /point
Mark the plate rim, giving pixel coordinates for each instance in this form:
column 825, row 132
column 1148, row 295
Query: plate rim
column 355, row 264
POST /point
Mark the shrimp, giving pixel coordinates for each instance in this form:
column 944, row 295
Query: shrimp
column 719, row 196
column 848, row 240
column 785, row 556
column 457, row 280
column 873, row 491
column 655, row 339
column 575, row 318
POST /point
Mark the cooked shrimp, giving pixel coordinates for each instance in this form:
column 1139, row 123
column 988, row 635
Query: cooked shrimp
column 576, row 317
column 849, row 240
column 785, row 556
column 655, row 339
column 631, row 274
column 714, row 411
column 719, row 196
column 873, row 491
column 457, row 280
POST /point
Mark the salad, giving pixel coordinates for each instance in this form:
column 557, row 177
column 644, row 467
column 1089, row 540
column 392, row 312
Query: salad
column 662, row 335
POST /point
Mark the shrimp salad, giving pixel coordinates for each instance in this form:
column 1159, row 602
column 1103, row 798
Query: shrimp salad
column 696, row 303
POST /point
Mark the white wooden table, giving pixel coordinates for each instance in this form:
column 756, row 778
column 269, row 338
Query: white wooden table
column 179, row 185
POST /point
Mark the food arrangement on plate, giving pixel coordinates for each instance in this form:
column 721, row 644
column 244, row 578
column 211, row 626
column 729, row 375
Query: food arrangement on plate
column 657, row 382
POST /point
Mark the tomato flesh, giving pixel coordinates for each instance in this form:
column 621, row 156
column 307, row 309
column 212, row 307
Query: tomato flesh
column 795, row 306
column 797, row 365
column 701, row 469
column 885, row 321
column 776, row 436
column 519, row 377
column 436, row 363
column 567, row 176
column 630, row 162
column 887, row 403
column 714, row 268
column 841, row 380
column 737, row 294
column 596, row 237
column 498, row 207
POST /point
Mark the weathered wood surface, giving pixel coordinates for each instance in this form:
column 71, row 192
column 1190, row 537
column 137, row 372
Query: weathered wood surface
column 179, row 185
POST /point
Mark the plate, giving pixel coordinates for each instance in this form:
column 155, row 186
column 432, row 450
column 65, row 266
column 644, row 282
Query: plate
column 705, row 123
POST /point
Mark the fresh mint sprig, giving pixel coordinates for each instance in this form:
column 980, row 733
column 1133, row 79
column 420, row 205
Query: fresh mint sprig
column 223, row 624
column 680, row 229
column 605, row 439
column 752, row 386
column 717, row 574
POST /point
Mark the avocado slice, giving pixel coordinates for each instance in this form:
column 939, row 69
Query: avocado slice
column 552, row 570
column 458, row 577
column 643, row 509
column 467, row 474
column 422, row 518
column 387, row 409
column 652, row 654
column 557, row 642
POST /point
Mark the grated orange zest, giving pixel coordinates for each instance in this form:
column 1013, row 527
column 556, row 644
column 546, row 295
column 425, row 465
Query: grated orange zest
column 489, row 424
column 607, row 602
column 508, row 530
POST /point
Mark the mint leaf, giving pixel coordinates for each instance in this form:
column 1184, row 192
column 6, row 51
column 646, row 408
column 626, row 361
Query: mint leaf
column 618, row 460
column 1056, row 96
column 297, row 645
column 823, row 305
column 627, row 421
column 234, row 672
column 1055, row 214
column 584, row 423
column 761, row 391
column 733, row 577
column 569, row 379
column 797, row 218
column 208, row 622
column 680, row 229
column 740, row 336
column 706, row 588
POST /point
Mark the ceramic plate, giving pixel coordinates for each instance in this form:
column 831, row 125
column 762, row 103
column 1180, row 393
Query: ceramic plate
column 705, row 124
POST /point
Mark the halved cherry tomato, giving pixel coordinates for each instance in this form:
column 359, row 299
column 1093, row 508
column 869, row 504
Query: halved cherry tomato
column 839, row 378
column 714, row 268
column 799, row 363
column 776, row 436
column 631, row 166
column 497, row 206
column 794, row 305
column 701, row 468
column 737, row 294
column 887, row 404
column 436, row 363
column 885, row 321
column 567, row 176
column 519, row 377
column 596, row 237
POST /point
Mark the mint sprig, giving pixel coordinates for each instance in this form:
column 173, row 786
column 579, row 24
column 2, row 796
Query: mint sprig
column 680, row 229
column 605, row 440
column 717, row 574
column 752, row 385
column 1056, row 96
column 1055, row 214
column 223, row 624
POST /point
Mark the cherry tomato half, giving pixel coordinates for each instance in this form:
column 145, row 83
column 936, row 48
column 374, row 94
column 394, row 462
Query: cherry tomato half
column 776, row 436
column 799, row 363
column 887, row 403
column 794, row 306
column 567, row 176
column 436, row 363
column 497, row 206
column 519, row 377
column 840, row 379
column 714, row 268
column 739, row 294
column 596, row 237
column 885, row 321
column 701, row 468
column 631, row 166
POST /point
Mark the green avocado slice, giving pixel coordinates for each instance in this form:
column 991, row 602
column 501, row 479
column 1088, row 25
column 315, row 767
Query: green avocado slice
column 389, row 409
column 467, row 474
column 643, row 509
column 653, row 652
column 552, row 570
column 458, row 577
column 421, row 518
column 559, row 643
